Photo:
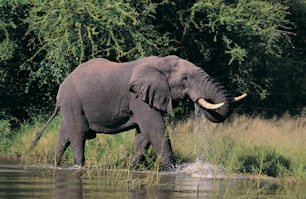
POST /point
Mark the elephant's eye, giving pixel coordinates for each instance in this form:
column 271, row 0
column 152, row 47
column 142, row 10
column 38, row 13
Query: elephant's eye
column 184, row 80
column 184, row 77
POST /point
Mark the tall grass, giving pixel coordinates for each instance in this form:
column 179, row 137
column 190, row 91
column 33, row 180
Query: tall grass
column 244, row 144
column 107, row 151
column 274, row 147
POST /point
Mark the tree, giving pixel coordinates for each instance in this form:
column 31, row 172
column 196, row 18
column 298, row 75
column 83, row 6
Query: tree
column 70, row 32
column 252, row 46
column 13, row 52
column 242, row 43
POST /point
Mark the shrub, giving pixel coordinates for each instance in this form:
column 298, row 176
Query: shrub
column 264, row 161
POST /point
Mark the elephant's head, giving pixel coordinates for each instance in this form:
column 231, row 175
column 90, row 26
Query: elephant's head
column 158, row 81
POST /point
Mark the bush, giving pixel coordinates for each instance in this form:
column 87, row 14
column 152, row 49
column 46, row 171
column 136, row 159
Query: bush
column 264, row 161
column 5, row 135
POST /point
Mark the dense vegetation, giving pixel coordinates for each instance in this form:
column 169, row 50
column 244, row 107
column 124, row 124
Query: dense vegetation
column 252, row 46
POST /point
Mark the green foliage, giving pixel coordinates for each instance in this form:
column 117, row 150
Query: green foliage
column 13, row 52
column 224, row 153
column 289, row 77
column 4, row 135
column 252, row 46
column 7, row 46
column 110, row 151
column 68, row 33
column 264, row 161
column 242, row 39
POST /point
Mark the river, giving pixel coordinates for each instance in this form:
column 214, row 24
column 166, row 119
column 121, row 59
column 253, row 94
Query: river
column 195, row 180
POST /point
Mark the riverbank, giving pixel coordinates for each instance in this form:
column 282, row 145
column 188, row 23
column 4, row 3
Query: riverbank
column 48, row 182
column 242, row 145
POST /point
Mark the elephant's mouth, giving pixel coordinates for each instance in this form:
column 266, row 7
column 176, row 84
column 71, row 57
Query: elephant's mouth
column 210, row 106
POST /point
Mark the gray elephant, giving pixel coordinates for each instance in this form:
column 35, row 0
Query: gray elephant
column 108, row 97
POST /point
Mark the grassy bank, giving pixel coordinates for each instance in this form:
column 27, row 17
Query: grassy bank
column 274, row 147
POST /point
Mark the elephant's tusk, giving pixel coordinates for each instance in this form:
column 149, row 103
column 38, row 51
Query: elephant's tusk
column 208, row 105
column 238, row 98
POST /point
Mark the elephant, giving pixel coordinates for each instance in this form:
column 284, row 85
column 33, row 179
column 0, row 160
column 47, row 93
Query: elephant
column 101, row 96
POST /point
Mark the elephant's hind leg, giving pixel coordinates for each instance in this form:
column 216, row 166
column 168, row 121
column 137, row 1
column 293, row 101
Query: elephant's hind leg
column 61, row 146
column 60, row 149
column 73, row 129
column 62, row 143
column 78, row 147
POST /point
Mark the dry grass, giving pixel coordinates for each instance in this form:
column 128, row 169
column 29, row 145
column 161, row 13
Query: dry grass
column 243, row 136
column 287, row 132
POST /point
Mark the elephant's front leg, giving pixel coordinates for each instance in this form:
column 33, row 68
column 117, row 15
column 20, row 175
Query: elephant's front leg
column 153, row 129
column 141, row 144
column 152, row 126
column 162, row 146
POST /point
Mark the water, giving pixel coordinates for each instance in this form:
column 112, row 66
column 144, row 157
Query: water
column 196, row 180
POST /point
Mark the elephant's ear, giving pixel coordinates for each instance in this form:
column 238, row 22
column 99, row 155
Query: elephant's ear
column 151, row 85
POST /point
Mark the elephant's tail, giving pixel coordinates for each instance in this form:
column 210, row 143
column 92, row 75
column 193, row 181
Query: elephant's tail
column 40, row 132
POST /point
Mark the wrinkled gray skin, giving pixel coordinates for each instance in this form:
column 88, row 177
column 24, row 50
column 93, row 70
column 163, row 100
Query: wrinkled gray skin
column 101, row 96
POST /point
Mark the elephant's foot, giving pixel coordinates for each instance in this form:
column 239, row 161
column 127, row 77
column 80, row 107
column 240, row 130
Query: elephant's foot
column 167, row 167
column 140, row 165
column 136, row 165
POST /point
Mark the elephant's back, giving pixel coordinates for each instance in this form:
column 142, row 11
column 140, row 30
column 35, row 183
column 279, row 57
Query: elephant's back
column 102, row 75
column 104, row 68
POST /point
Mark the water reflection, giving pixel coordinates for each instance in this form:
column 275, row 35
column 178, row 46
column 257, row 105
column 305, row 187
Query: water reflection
column 39, row 182
column 68, row 185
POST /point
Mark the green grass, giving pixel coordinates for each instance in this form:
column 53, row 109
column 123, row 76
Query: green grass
column 243, row 145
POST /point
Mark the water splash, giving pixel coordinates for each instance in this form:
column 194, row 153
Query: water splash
column 201, row 169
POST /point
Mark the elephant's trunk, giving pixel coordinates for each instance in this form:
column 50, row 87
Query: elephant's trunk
column 213, row 92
